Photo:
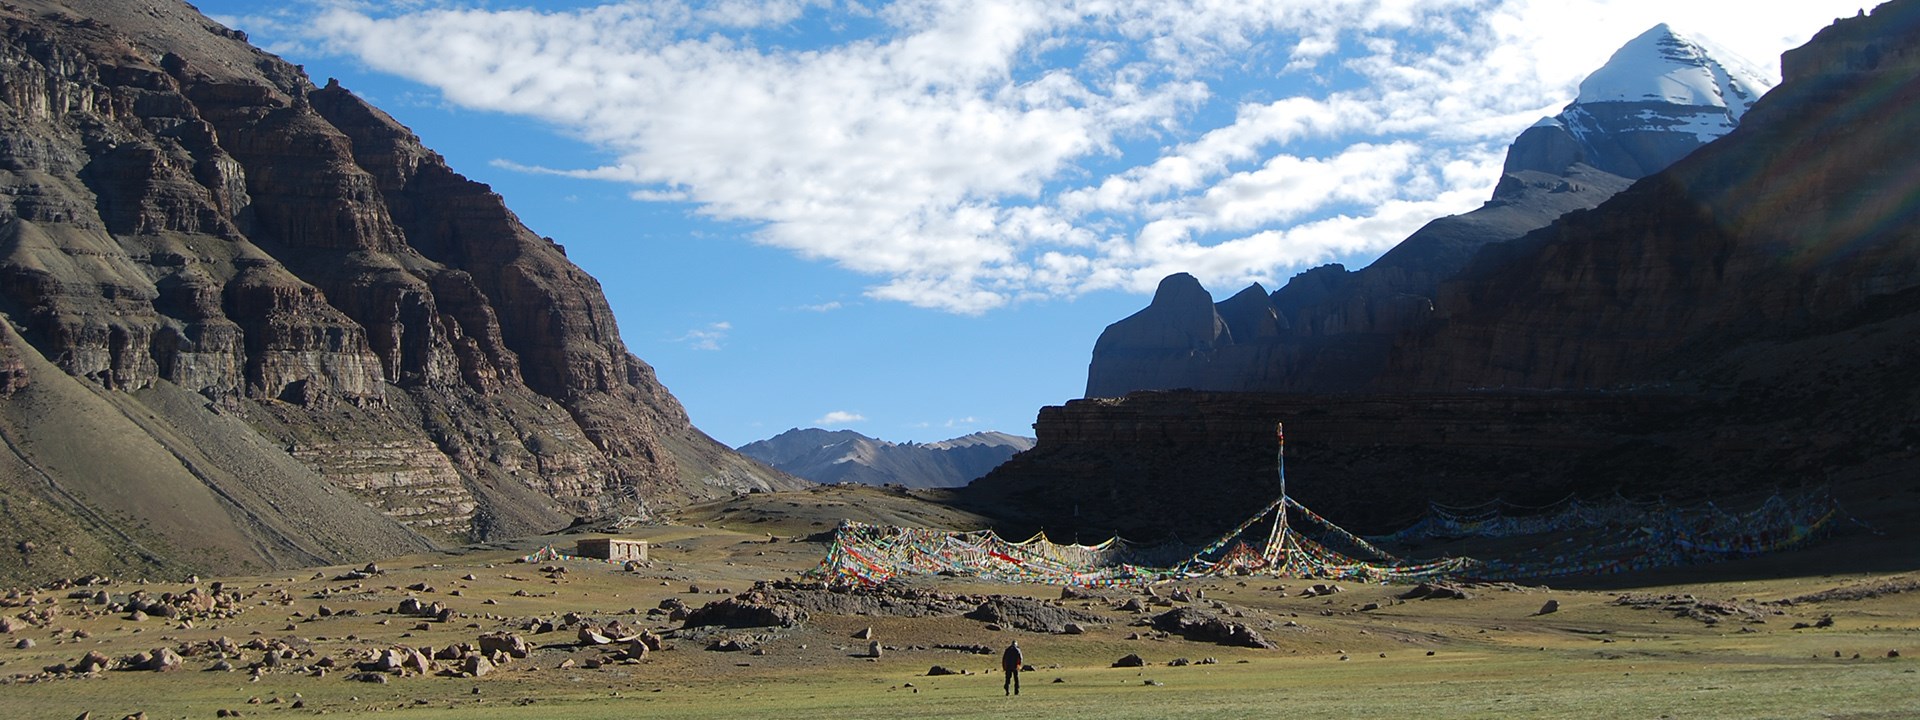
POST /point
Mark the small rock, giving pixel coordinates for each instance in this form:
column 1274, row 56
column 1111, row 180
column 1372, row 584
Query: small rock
column 1551, row 606
column 1130, row 660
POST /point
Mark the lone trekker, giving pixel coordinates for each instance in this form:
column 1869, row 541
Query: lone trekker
column 1010, row 662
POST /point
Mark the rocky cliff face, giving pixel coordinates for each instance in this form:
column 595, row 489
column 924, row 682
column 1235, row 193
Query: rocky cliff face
column 834, row 456
column 182, row 212
column 1739, row 322
column 1661, row 96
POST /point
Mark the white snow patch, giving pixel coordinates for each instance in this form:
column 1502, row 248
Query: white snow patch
column 1663, row 65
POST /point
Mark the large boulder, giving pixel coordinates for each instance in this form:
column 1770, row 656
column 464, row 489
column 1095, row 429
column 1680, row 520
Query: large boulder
column 1032, row 615
column 754, row 608
column 1194, row 623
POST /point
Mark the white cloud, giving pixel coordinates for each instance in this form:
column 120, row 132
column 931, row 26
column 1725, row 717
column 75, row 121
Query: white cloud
column 839, row 417
column 975, row 153
column 707, row 337
column 824, row 307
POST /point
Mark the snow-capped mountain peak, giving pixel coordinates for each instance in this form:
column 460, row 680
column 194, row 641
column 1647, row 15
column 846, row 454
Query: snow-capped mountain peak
column 1663, row 65
column 1660, row 97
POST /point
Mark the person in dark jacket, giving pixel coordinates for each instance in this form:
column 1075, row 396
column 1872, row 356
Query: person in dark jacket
column 1010, row 662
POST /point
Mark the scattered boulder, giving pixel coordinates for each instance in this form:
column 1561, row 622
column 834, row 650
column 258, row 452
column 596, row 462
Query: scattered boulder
column 164, row 660
column 94, row 661
column 1551, row 606
column 591, row 636
column 1321, row 589
column 939, row 670
column 500, row 642
column 1130, row 660
column 1031, row 615
column 974, row 649
column 476, row 665
column 414, row 660
column 1196, row 624
column 636, row 650
column 1435, row 591
column 754, row 608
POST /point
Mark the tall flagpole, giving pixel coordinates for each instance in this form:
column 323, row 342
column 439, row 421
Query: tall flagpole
column 1280, row 438
column 1276, row 540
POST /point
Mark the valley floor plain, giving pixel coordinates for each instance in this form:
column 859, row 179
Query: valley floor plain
column 1713, row 641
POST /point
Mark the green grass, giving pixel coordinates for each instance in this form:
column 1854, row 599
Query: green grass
column 1672, row 682
column 1493, row 657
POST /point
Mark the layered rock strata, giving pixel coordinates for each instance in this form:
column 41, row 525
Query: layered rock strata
column 179, row 210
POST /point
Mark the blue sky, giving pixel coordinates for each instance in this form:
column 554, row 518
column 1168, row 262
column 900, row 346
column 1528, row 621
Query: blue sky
column 913, row 219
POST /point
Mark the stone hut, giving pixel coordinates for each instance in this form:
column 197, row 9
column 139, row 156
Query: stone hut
column 614, row 549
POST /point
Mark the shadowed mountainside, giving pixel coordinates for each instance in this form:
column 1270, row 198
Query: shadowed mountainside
column 1661, row 96
column 1740, row 322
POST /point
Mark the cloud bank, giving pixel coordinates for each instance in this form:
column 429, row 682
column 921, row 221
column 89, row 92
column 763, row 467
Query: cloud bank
column 969, row 154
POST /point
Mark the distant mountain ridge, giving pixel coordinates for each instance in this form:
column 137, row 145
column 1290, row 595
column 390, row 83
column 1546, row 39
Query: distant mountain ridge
column 1659, row 98
column 832, row 456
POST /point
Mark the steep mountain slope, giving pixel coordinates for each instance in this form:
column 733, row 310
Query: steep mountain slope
column 1660, row 97
column 1741, row 322
column 833, row 456
column 276, row 291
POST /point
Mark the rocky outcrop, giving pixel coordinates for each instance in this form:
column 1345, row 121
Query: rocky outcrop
column 1335, row 329
column 1170, row 343
column 180, row 211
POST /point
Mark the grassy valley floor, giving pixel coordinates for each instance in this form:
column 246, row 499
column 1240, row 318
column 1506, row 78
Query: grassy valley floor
column 1839, row 646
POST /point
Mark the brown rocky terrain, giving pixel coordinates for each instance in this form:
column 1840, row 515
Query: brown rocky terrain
column 1741, row 322
column 254, row 321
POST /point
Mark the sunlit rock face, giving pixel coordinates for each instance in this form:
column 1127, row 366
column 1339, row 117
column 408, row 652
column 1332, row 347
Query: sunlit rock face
column 181, row 211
